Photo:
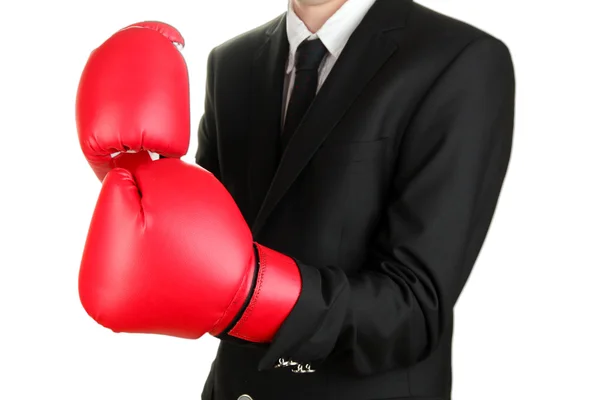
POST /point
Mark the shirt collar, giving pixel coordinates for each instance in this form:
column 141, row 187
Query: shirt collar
column 334, row 33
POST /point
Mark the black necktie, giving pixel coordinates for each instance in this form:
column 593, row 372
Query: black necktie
column 309, row 55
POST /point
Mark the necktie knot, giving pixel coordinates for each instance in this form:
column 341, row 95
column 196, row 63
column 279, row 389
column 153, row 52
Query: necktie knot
column 309, row 55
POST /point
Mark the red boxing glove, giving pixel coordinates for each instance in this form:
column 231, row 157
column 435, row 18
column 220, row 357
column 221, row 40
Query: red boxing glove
column 168, row 252
column 133, row 97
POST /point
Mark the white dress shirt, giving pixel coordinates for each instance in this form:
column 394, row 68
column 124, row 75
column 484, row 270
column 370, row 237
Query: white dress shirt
column 334, row 35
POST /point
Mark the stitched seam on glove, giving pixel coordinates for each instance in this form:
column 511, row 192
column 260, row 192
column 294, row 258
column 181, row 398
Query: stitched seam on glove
column 235, row 299
column 263, row 265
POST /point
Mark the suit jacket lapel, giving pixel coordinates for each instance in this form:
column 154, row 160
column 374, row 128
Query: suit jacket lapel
column 366, row 51
column 268, row 72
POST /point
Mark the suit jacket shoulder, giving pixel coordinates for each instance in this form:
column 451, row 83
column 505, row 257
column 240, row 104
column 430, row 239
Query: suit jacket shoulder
column 245, row 44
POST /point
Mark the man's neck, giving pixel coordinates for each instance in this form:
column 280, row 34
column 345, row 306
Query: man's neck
column 314, row 14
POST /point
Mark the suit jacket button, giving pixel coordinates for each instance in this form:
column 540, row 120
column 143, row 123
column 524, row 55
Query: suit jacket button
column 244, row 397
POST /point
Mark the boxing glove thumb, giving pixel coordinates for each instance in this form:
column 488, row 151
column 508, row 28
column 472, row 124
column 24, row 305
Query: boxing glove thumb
column 119, row 197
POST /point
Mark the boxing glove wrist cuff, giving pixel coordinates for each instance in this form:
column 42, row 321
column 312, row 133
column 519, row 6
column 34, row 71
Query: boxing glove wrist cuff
column 277, row 288
column 101, row 165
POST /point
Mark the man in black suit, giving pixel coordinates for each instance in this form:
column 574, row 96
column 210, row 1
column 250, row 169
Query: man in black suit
column 368, row 140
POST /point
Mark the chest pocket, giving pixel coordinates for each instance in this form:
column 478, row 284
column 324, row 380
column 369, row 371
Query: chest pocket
column 345, row 153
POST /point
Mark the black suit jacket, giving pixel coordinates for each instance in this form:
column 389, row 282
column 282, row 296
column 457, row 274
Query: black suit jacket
column 384, row 197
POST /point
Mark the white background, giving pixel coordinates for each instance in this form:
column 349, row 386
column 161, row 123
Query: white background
column 527, row 322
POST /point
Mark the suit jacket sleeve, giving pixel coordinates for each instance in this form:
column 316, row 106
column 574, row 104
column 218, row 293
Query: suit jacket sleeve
column 451, row 165
column 207, row 155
